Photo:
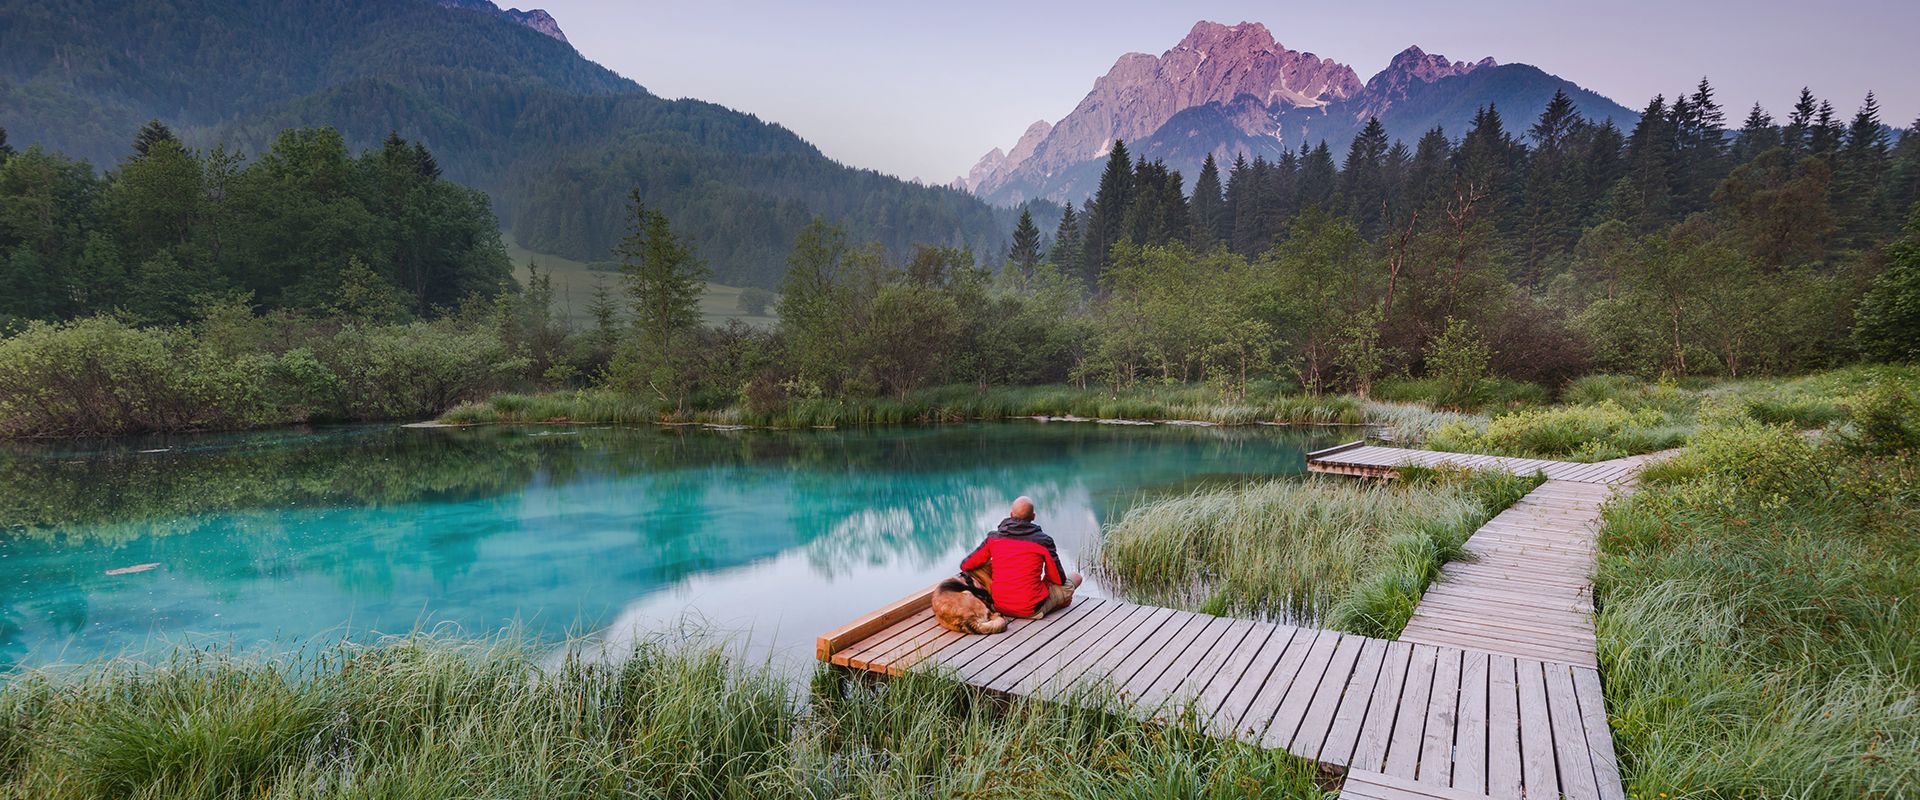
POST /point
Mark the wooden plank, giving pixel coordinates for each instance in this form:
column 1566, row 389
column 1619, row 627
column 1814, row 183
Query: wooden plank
column 1470, row 739
column 1366, row 785
column 1345, row 730
column 1239, row 700
column 1292, row 711
column 1127, row 676
column 1015, row 647
column 899, row 664
column 1537, row 770
column 1443, row 704
column 1101, row 668
column 856, row 654
column 1235, row 667
column 832, row 641
column 1593, row 718
column 928, row 632
column 1161, row 693
column 1522, row 631
column 1253, row 725
column 1084, row 646
column 1044, row 656
column 1317, row 721
column 1242, row 636
column 1376, row 730
column 1573, row 760
column 1503, row 728
column 1409, row 727
column 999, row 645
column 1338, row 448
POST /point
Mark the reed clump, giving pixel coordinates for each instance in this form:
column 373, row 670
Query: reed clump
column 1348, row 554
column 1756, row 610
column 437, row 716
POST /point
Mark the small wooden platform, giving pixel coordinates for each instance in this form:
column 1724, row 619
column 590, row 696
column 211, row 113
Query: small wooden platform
column 1374, row 461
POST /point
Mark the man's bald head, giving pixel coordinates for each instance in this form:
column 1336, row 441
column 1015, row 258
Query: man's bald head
column 1023, row 508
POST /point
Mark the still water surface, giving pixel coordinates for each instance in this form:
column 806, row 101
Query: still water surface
column 278, row 539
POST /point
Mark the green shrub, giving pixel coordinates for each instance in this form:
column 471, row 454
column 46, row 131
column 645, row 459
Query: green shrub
column 1596, row 432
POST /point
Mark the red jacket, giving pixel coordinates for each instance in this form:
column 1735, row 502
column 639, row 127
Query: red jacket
column 1024, row 563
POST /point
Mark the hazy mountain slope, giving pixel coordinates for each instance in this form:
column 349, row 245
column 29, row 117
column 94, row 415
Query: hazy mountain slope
column 555, row 138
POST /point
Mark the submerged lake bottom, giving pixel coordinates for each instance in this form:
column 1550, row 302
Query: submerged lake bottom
column 275, row 541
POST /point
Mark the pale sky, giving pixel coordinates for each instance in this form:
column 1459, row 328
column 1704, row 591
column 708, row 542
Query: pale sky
column 923, row 89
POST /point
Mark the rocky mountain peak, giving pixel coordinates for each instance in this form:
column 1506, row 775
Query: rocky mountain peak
column 1414, row 64
column 539, row 20
column 1214, row 63
column 536, row 19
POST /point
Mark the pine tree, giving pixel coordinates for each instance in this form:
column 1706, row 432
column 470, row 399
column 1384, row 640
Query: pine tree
column 1025, row 252
column 1757, row 135
column 1488, row 164
column 1647, row 202
column 424, row 163
column 1429, row 178
column 1106, row 214
column 6, row 150
column 1800, row 123
column 1066, row 239
column 1209, row 207
column 664, row 279
column 1903, row 187
column 1700, row 144
column 1247, row 188
column 1394, row 174
column 1826, row 134
column 1316, row 176
column 1859, row 179
column 1363, row 183
column 153, row 133
column 1555, row 193
column 604, row 311
column 1604, row 162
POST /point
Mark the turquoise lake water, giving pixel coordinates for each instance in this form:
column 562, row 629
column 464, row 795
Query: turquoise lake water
column 279, row 539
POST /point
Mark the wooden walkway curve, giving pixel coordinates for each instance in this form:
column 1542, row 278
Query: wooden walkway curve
column 1491, row 691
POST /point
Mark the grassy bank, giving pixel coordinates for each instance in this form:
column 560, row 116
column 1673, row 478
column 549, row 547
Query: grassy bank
column 1757, row 610
column 1610, row 416
column 434, row 717
column 1348, row 554
column 942, row 404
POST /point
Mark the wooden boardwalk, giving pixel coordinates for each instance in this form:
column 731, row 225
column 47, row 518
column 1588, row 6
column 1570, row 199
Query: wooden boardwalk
column 1528, row 589
column 1374, row 461
column 1491, row 691
column 1447, row 718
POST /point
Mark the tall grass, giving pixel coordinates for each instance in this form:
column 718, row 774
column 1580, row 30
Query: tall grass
column 1597, row 432
column 1757, row 614
column 439, row 717
column 942, row 404
column 1352, row 555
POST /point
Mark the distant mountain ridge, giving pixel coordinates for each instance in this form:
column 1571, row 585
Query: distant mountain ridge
column 1227, row 90
column 504, row 103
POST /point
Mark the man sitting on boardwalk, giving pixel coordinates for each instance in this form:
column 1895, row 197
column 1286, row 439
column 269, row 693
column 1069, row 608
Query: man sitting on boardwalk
column 1019, row 566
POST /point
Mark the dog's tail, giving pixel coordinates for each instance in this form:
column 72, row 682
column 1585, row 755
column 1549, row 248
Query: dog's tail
column 994, row 623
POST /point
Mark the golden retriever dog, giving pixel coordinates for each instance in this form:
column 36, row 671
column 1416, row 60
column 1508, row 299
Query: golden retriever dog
column 962, row 607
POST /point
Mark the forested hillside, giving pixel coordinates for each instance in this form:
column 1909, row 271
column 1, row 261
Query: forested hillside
column 555, row 139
